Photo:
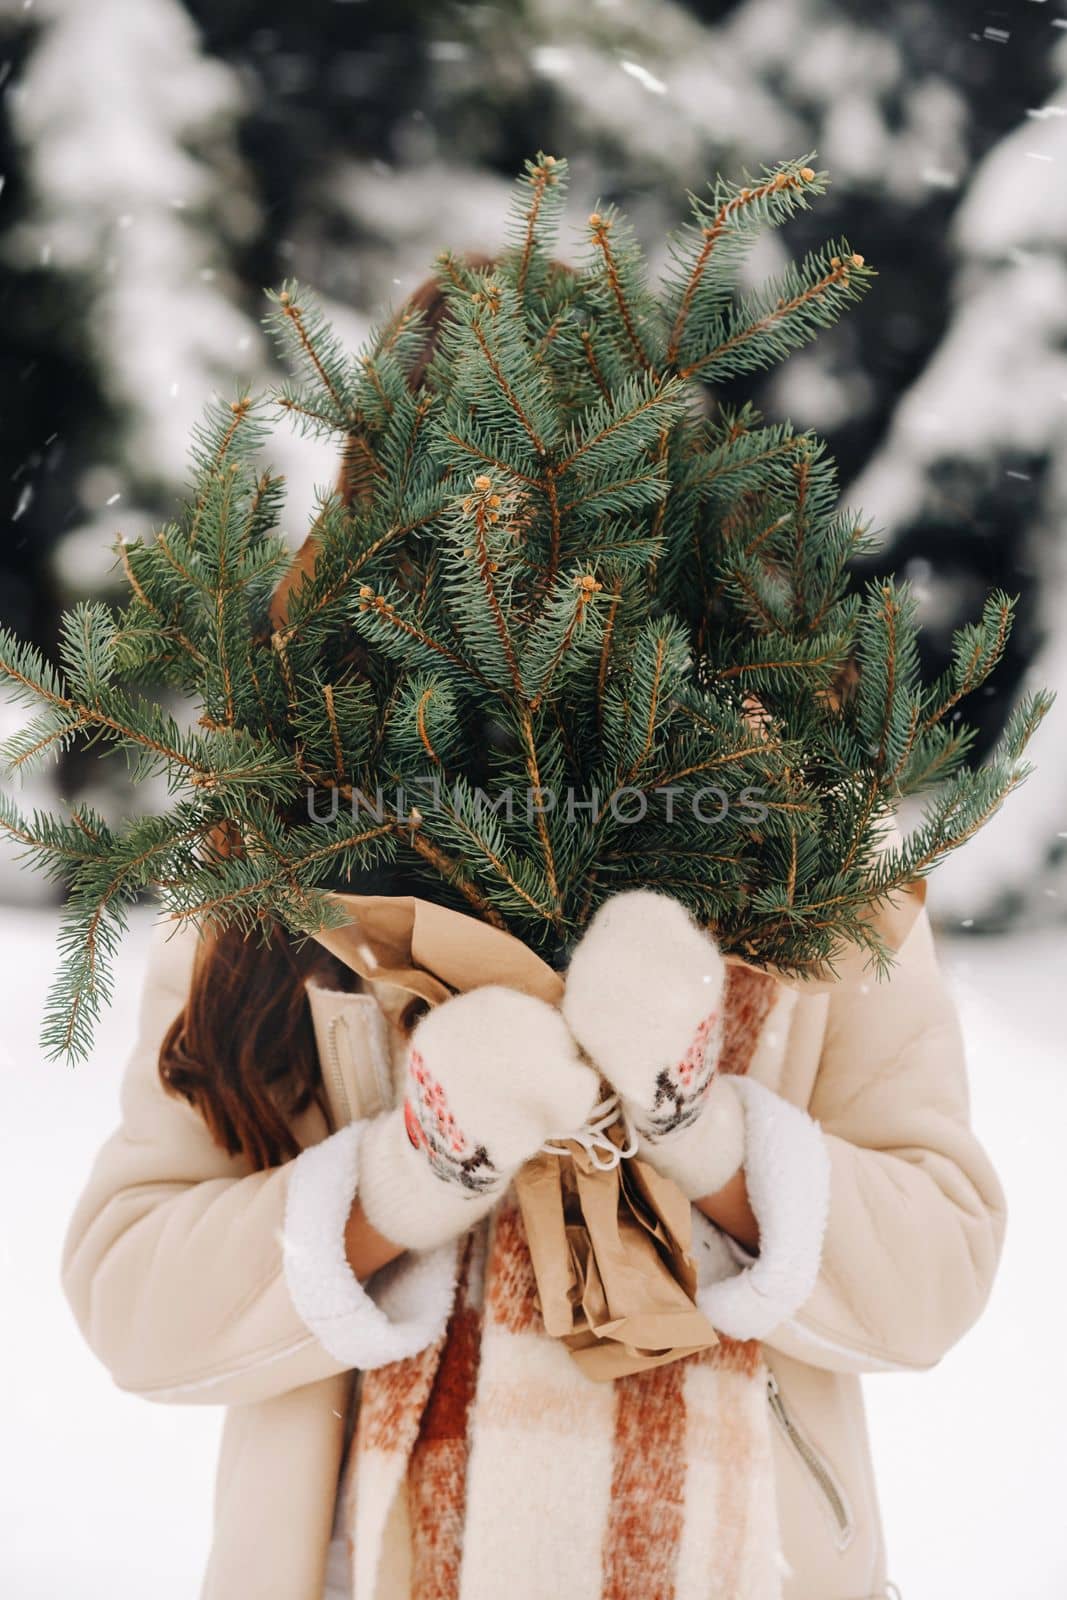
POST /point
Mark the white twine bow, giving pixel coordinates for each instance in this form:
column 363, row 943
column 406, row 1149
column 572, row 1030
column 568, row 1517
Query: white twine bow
column 593, row 1136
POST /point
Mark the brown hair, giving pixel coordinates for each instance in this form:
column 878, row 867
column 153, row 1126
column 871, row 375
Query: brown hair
column 242, row 1051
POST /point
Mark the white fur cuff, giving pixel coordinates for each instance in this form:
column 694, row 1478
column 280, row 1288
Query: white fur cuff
column 787, row 1170
column 406, row 1306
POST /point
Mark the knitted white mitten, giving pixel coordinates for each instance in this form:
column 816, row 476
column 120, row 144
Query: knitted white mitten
column 644, row 999
column 492, row 1074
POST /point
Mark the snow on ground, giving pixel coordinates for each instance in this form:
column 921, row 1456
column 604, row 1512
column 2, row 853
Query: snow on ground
column 972, row 1456
column 107, row 1495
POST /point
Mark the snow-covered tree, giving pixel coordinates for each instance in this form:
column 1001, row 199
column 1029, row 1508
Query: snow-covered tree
column 53, row 413
column 986, row 418
column 136, row 204
column 358, row 129
column 132, row 202
column 128, row 127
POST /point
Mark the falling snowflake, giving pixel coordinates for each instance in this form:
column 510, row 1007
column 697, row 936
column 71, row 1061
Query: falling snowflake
column 645, row 78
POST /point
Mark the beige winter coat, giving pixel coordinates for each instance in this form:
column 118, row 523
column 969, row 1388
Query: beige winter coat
column 180, row 1276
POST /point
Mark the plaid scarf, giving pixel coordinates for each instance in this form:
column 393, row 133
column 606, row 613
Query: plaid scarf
column 515, row 1474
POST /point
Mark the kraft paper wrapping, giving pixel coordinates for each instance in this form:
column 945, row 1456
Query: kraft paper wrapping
column 610, row 1248
column 610, row 1252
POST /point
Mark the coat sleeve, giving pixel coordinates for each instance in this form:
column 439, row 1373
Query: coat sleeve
column 913, row 1227
column 196, row 1279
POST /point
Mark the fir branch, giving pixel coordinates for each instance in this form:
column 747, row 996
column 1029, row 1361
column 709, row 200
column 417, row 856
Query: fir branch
column 594, row 365
column 452, row 872
column 38, row 738
column 493, row 363
column 372, row 604
column 25, row 670
column 212, row 443
column 977, row 652
column 320, row 360
column 797, row 315
column 241, row 408
column 478, row 846
column 537, row 788
column 606, row 647
column 725, row 216
column 600, row 226
column 469, row 447
column 546, row 571
column 335, row 732
column 258, row 888
column 542, row 175
column 728, row 460
column 630, row 420
column 424, row 701
column 552, row 490
column 169, row 628
column 800, row 661
column 552, row 640
column 48, row 841
column 191, row 579
column 339, row 588
column 482, row 505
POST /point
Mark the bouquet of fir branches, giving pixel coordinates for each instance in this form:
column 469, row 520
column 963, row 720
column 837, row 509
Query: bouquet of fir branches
column 576, row 625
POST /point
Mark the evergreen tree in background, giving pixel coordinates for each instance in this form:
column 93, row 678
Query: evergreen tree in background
column 979, row 442
column 569, row 602
column 53, row 412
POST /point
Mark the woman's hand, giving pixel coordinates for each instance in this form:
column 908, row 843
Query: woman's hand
column 729, row 1208
column 492, row 1074
column 366, row 1250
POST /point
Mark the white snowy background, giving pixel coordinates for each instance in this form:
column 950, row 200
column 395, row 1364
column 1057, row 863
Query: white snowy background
column 151, row 139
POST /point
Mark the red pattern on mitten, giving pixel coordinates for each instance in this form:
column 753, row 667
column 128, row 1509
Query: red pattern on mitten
column 491, row 1075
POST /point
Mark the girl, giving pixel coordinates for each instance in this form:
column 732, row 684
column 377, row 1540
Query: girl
column 306, row 1216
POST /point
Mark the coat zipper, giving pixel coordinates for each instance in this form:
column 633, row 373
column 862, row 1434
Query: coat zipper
column 813, row 1461
column 334, row 1065
column 378, row 1045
